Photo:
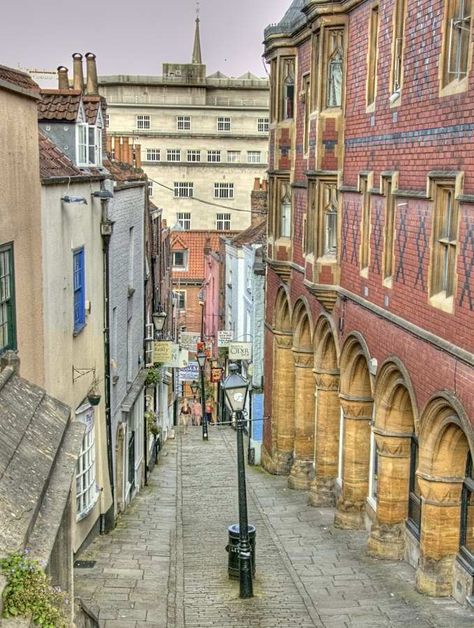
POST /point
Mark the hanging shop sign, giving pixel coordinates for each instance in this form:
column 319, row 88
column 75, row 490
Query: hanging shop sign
column 240, row 351
column 162, row 351
column 224, row 337
column 216, row 374
column 188, row 340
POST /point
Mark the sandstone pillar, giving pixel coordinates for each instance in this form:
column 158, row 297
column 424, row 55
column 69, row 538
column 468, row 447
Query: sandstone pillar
column 439, row 538
column 302, row 471
column 387, row 536
column 326, row 438
column 350, row 506
column 283, row 393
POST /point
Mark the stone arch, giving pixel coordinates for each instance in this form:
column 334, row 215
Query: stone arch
column 446, row 438
column 327, row 412
column 283, row 395
column 356, row 402
column 301, row 471
column 395, row 420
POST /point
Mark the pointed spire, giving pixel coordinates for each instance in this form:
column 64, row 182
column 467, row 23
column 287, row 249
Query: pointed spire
column 197, row 40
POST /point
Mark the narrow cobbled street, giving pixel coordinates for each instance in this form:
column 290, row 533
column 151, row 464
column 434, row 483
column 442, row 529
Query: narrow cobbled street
column 165, row 564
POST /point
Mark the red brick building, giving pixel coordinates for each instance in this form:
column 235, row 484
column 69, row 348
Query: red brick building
column 370, row 286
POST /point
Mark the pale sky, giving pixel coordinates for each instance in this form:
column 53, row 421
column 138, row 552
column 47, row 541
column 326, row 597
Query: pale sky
column 136, row 37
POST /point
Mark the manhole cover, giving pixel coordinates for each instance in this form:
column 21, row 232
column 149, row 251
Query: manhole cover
column 84, row 564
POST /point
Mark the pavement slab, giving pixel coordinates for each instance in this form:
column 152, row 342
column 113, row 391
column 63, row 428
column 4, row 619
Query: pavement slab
column 165, row 563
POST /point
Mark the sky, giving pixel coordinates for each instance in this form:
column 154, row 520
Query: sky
column 136, row 37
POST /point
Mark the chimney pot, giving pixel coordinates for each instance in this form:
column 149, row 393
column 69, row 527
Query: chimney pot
column 92, row 86
column 78, row 76
column 63, row 79
column 256, row 184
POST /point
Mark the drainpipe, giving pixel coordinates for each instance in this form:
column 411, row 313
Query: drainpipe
column 106, row 228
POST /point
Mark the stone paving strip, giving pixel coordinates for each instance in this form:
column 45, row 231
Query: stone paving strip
column 165, row 564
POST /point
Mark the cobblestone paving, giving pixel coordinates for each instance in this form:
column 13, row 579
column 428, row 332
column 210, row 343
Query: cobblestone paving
column 165, row 564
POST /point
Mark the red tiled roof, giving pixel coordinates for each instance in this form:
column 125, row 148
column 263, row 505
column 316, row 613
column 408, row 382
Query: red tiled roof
column 18, row 79
column 59, row 104
column 124, row 172
column 194, row 242
column 255, row 234
column 54, row 163
column 92, row 104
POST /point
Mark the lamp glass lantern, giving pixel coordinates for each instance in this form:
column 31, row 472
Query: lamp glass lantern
column 201, row 358
column 159, row 319
column 194, row 387
column 236, row 389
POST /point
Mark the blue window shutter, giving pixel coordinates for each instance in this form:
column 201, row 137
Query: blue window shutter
column 79, row 290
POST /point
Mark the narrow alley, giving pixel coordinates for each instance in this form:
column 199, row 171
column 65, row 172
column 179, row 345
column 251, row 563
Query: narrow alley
column 165, row 564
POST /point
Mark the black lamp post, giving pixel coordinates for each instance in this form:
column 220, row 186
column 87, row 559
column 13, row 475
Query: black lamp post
column 235, row 389
column 201, row 358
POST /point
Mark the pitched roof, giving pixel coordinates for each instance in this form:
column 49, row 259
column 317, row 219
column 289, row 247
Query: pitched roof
column 53, row 162
column 255, row 234
column 194, row 242
column 293, row 19
column 59, row 104
column 123, row 172
column 92, row 105
column 19, row 80
column 33, row 441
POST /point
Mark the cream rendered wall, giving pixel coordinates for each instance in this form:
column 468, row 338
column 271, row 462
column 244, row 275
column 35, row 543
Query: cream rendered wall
column 68, row 226
column 20, row 223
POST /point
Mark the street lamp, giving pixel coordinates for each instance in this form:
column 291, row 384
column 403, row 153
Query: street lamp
column 195, row 387
column 159, row 319
column 235, row 389
column 201, row 358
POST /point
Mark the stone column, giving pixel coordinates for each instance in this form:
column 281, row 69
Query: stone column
column 283, row 393
column 302, row 471
column 439, row 534
column 350, row 507
column 326, row 452
column 387, row 536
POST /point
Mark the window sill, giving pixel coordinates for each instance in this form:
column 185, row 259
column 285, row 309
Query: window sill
column 327, row 259
column 82, row 515
column 454, row 87
column 442, row 302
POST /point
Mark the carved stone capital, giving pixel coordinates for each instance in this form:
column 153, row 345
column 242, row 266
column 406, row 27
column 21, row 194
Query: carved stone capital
column 326, row 380
column 393, row 446
column 303, row 359
column 283, row 340
column 440, row 492
column 356, row 407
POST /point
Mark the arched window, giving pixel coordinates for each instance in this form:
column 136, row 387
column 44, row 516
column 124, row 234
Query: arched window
column 285, row 211
column 467, row 514
column 288, row 88
column 414, row 497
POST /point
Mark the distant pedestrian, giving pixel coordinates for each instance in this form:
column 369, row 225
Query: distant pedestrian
column 197, row 412
column 185, row 415
column 208, row 411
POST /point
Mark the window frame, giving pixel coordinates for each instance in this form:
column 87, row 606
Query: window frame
column 287, row 88
column 180, row 294
column 153, row 151
column 8, row 303
column 193, row 155
column 466, row 493
column 398, row 50
column 79, row 291
column 444, row 247
column 143, row 121
column 254, row 156
column 183, row 189
column 224, row 123
column 223, row 221
column 334, row 54
column 184, row 265
column 365, row 224
column 372, row 57
column 263, row 125
column 389, row 231
column 183, row 123
column 459, row 82
column 173, row 154
column 86, row 465
column 414, row 498
column 184, row 219
column 237, row 154
column 224, row 190
column 82, row 144
column 214, row 156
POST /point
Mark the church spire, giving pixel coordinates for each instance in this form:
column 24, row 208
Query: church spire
column 197, row 40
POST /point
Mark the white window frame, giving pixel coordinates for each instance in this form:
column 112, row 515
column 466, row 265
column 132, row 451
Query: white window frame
column 193, row 155
column 223, row 222
column 223, row 123
column 173, row 154
column 149, row 187
column 214, row 156
column 183, row 123
column 87, row 496
column 180, row 294
column 224, row 190
column 153, row 154
column 184, row 219
column 234, row 153
column 82, row 134
column 183, row 189
column 184, row 266
column 143, row 121
column 254, row 156
column 263, row 125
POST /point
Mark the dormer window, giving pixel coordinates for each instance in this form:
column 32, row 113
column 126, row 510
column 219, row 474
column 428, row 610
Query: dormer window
column 89, row 143
column 82, row 142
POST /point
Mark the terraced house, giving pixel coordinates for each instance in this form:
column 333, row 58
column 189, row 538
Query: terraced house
column 370, row 290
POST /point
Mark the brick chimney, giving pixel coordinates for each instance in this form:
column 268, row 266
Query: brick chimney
column 63, row 79
column 258, row 201
column 78, row 76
